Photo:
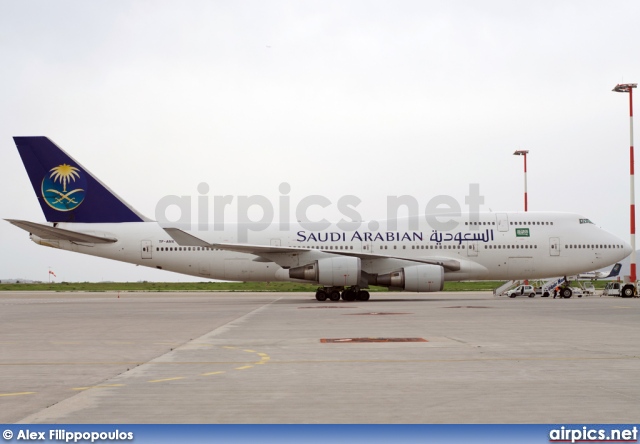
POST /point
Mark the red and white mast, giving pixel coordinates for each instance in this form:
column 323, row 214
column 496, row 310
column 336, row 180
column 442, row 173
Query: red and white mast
column 524, row 153
column 628, row 88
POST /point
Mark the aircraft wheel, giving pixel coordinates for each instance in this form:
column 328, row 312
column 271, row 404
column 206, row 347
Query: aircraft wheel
column 349, row 295
column 334, row 295
column 363, row 295
column 566, row 293
column 321, row 295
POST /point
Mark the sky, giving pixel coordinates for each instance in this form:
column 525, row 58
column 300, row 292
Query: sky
column 333, row 98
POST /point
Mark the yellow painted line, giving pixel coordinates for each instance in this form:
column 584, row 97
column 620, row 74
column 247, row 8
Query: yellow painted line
column 244, row 368
column 262, row 354
column 250, row 351
column 167, row 379
column 98, row 386
column 17, row 394
column 212, row 373
column 230, row 348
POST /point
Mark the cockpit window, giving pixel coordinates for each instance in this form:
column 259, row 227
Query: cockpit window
column 585, row 221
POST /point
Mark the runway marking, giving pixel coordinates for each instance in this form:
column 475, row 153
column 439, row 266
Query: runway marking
column 17, row 394
column 98, row 386
column 264, row 358
column 168, row 379
column 368, row 340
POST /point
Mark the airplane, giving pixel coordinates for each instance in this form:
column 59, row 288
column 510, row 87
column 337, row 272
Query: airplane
column 83, row 215
column 595, row 275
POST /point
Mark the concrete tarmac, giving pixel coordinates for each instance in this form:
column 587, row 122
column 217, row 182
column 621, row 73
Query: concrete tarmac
column 261, row 358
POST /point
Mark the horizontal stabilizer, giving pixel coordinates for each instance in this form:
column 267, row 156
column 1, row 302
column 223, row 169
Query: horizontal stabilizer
column 47, row 232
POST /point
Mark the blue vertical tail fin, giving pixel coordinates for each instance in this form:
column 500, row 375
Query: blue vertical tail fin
column 615, row 270
column 66, row 191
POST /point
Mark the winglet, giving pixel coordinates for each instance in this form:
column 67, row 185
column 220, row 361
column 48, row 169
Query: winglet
column 66, row 191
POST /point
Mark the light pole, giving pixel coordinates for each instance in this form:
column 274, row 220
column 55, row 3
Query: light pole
column 524, row 153
column 628, row 88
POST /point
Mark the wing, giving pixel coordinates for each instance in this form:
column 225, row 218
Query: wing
column 47, row 232
column 269, row 253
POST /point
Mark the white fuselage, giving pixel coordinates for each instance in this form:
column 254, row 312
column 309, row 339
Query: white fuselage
column 488, row 246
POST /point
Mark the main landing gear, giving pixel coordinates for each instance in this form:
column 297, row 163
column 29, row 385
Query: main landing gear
column 335, row 293
column 565, row 291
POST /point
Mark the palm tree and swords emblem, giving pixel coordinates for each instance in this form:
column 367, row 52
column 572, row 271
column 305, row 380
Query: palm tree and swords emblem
column 54, row 187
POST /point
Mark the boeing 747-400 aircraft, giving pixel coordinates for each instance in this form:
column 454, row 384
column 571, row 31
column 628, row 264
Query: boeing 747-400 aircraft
column 85, row 216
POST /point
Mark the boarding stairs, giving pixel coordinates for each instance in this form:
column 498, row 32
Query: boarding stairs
column 504, row 287
column 548, row 286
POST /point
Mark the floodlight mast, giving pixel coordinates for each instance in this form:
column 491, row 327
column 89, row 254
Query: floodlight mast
column 524, row 153
column 628, row 88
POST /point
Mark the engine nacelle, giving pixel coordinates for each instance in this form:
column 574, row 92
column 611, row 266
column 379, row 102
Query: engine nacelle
column 330, row 272
column 419, row 278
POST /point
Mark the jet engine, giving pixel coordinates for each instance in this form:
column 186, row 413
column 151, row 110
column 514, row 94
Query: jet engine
column 330, row 272
column 419, row 278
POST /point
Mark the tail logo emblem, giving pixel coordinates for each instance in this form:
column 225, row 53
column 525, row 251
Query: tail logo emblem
column 55, row 184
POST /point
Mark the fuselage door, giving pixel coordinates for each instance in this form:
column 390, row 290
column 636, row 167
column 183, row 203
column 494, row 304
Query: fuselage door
column 554, row 246
column 503, row 221
column 472, row 249
column 145, row 249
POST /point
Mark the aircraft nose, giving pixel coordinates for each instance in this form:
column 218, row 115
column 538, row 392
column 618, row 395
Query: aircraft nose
column 627, row 249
